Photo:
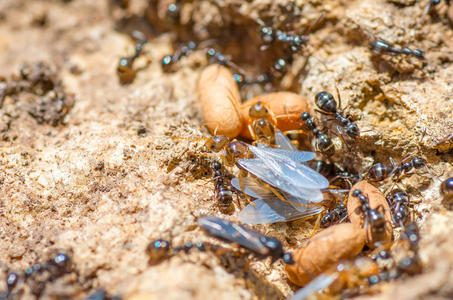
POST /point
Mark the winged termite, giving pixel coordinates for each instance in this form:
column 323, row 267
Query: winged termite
column 278, row 167
column 268, row 208
column 252, row 240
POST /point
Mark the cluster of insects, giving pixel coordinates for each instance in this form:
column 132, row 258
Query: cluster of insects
column 280, row 183
column 273, row 181
column 35, row 279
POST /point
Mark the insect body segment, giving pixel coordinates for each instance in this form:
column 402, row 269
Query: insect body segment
column 168, row 61
column 322, row 142
column 223, row 192
column 381, row 46
column 328, row 106
column 125, row 69
column 373, row 217
column 380, row 172
column 250, row 239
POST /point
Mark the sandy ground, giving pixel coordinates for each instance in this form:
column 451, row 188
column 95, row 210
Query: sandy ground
column 96, row 185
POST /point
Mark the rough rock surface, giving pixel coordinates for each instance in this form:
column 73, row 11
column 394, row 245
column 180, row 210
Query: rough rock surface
column 95, row 187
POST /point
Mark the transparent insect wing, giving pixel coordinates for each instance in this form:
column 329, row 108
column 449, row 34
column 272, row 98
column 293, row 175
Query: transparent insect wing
column 288, row 210
column 295, row 156
column 316, row 285
column 251, row 187
column 280, row 180
column 234, row 233
column 289, row 156
column 283, row 141
column 273, row 210
column 290, row 169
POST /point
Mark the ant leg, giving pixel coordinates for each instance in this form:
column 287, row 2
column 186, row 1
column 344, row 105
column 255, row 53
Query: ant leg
column 338, row 95
column 316, row 226
column 252, row 132
column 202, row 154
column 187, row 139
column 324, row 113
column 241, row 186
column 288, row 117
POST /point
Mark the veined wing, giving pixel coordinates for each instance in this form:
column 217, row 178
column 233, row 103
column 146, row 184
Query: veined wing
column 280, row 180
column 269, row 208
column 298, row 174
column 318, row 284
column 283, row 141
column 234, row 233
column 256, row 189
column 274, row 211
column 283, row 154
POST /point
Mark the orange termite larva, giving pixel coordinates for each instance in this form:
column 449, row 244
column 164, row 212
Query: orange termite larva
column 325, row 250
column 220, row 101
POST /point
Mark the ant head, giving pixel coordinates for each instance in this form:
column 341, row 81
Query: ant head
column 61, row 260
column 258, row 110
column 280, row 65
column 166, row 61
column 211, row 52
column 274, row 246
column 267, row 34
column 216, row 165
column 446, row 188
column 356, row 193
column 217, row 143
column 173, row 11
column 353, row 130
column 288, row 258
column 418, row 162
column 157, row 250
column 407, row 166
column 238, row 78
column 305, row 116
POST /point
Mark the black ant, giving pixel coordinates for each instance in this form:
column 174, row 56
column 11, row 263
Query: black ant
column 323, row 167
column 411, row 263
column 345, row 176
column 399, row 202
column 446, row 188
column 373, row 217
column 223, row 191
column 328, row 106
column 446, row 191
column 125, row 70
column 381, row 46
column 380, row 172
column 271, row 35
column 338, row 214
column 160, row 249
column 430, row 5
column 168, row 61
column 322, row 142
column 277, row 70
column 39, row 275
